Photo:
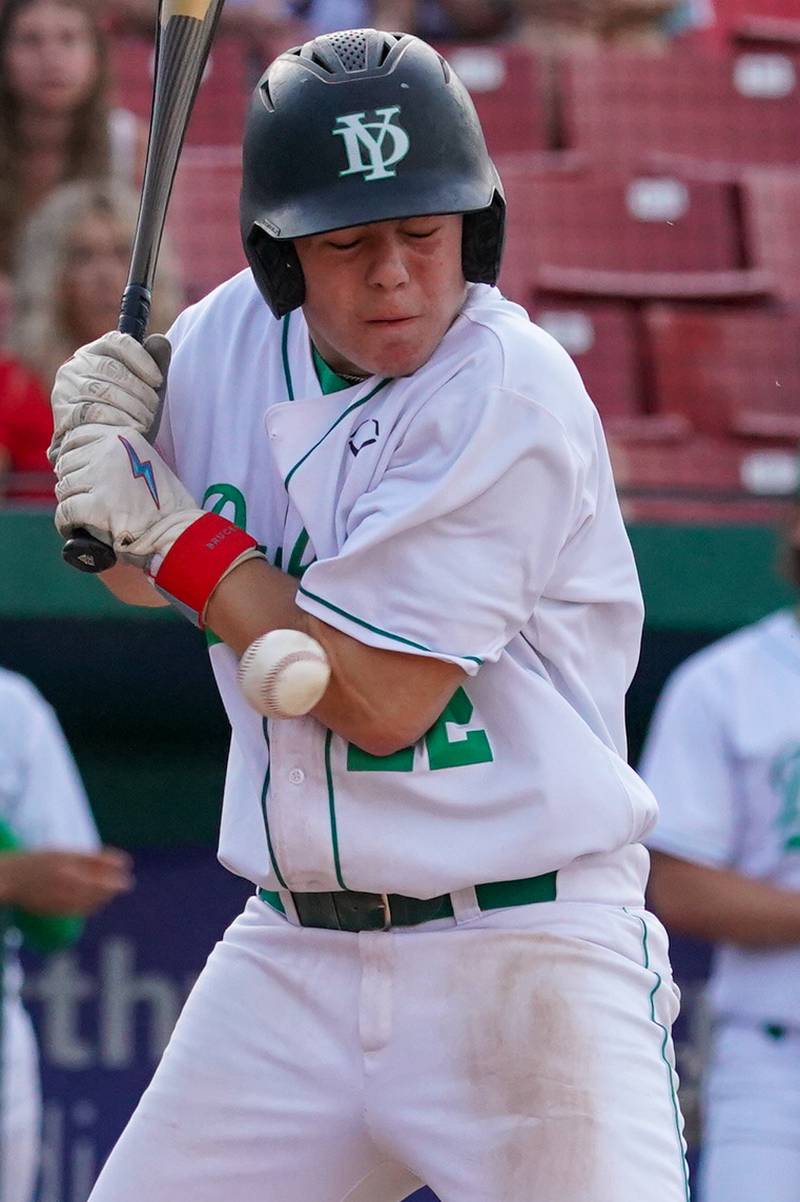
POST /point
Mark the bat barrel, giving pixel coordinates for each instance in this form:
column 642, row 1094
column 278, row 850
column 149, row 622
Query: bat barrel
column 185, row 31
column 181, row 54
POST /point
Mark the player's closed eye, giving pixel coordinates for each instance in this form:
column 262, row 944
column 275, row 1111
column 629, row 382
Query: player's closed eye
column 344, row 245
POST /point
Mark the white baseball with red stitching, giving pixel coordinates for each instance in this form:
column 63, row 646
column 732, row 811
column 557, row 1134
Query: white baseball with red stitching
column 284, row 673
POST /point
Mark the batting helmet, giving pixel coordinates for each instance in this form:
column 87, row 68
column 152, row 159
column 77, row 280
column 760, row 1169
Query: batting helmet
column 355, row 127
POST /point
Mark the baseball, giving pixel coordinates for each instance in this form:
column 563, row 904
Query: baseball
column 284, row 673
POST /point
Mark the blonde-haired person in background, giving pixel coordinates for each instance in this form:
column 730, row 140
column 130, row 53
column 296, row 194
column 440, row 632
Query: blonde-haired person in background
column 71, row 266
column 56, row 123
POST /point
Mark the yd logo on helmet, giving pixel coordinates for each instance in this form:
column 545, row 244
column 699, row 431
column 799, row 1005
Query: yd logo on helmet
column 358, row 138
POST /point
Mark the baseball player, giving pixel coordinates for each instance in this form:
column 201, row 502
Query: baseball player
column 723, row 756
column 51, row 870
column 446, row 974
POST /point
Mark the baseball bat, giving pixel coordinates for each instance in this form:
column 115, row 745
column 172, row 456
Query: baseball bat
column 184, row 32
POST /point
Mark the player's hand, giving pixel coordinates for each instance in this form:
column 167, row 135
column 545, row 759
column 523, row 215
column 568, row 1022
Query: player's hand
column 112, row 482
column 63, row 882
column 114, row 380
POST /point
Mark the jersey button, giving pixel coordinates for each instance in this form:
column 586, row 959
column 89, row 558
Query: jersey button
column 297, row 776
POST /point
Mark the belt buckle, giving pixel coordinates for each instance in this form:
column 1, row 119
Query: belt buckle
column 387, row 910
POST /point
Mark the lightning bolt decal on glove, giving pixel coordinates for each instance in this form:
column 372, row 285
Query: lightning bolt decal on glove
column 112, row 482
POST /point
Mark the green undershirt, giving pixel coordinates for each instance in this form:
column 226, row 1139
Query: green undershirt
column 42, row 932
column 329, row 380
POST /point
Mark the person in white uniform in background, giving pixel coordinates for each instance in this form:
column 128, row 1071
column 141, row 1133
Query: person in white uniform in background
column 447, row 974
column 52, row 871
column 723, row 758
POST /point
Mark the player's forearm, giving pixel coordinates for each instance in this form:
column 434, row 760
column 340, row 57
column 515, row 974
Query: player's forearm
column 719, row 905
column 379, row 700
column 131, row 586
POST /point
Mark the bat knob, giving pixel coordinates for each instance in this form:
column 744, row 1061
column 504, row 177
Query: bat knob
column 86, row 553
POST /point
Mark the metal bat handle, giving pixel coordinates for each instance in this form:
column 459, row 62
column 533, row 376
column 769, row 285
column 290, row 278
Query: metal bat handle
column 82, row 550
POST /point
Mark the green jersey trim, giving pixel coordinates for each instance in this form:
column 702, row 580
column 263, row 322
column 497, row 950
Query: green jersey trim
column 287, row 371
column 398, row 638
column 264, row 793
column 341, row 417
column 664, row 1042
column 332, row 810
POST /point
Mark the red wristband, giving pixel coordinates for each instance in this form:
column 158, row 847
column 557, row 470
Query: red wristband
column 199, row 558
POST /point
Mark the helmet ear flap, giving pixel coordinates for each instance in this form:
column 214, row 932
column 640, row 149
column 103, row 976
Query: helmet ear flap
column 482, row 242
column 276, row 267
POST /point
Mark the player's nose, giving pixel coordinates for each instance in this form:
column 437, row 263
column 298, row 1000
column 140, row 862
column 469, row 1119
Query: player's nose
column 387, row 267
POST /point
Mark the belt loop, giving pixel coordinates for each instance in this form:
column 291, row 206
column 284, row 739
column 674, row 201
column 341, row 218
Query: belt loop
column 289, row 907
column 465, row 904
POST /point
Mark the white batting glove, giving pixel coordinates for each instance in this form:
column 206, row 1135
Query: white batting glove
column 113, row 483
column 114, row 381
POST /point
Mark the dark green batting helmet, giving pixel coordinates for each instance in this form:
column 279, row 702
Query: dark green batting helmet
column 355, row 127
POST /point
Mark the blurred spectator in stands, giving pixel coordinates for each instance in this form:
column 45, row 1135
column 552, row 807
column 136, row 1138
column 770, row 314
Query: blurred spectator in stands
column 52, row 873
column 723, row 758
column 690, row 16
column 256, row 19
column 55, row 123
column 72, row 265
column 459, row 20
column 559, row 25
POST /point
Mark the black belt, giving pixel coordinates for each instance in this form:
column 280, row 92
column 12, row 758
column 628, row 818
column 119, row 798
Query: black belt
column 348, row 910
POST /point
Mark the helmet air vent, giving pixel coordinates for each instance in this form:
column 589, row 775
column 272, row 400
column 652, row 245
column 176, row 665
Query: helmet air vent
column 351, row 48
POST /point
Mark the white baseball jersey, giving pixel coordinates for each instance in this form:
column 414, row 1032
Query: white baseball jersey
column 723, row 758
column 43, row 802
column 466, row 512
column 42, row 798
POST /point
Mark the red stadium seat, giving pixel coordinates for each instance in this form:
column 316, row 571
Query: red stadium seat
column 703, row 479
column 769, row 33
column 739, row 18
column 729, row 373
column 771, row 206
column 601, row 338
column 612, row 235
column 717, row 112
column 203, row 218
column 507, row 86
column 218, row 116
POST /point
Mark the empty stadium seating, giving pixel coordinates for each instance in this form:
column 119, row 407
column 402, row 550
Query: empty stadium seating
column 737, row 19
column 716, row 111
column 507, row 86
column 602, row 340
column 626, row 236
column 730, row 373
column 703, row 479
column 771, row 212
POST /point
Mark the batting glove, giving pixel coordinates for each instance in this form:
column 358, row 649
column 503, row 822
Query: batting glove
column 115, row 381
column 112, row 482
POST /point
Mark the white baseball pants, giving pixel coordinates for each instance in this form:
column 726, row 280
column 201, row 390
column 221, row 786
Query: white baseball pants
column 20, row 1105
column 523, row 1055
column 751, row 1140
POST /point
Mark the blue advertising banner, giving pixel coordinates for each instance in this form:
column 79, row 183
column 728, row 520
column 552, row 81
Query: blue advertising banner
column 104, row 1009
